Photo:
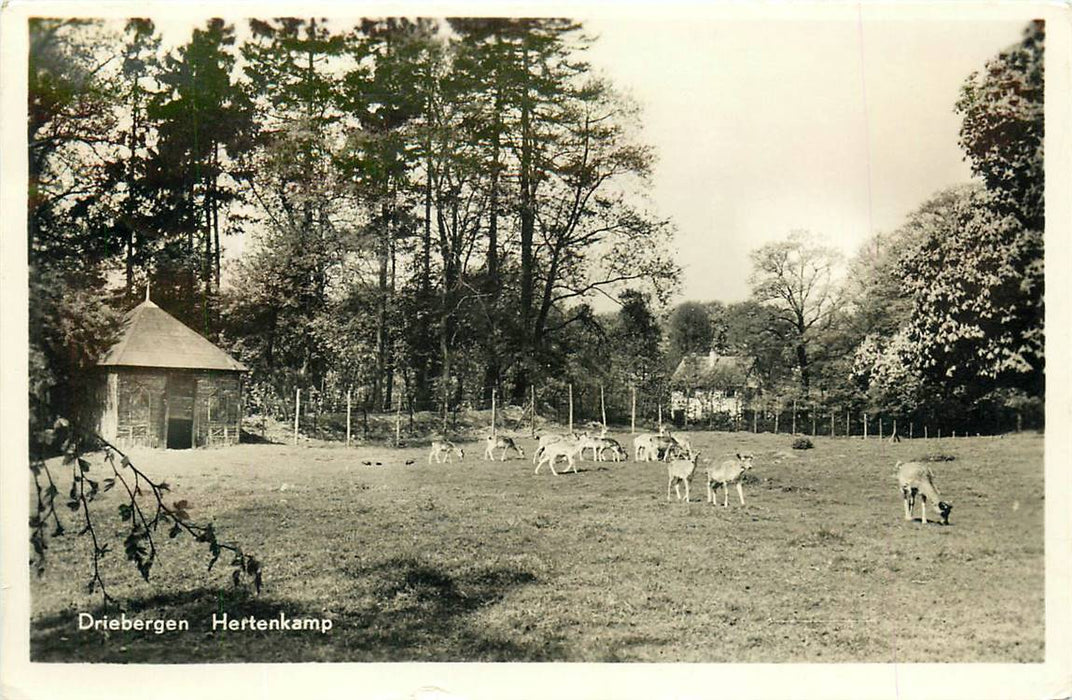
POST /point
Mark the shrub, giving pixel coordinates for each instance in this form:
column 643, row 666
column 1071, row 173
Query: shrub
column 802, row 444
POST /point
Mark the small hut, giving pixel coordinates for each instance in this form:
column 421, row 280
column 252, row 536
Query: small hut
column 165, row 386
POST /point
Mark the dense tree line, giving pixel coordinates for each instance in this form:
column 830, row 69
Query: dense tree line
column 430, row 207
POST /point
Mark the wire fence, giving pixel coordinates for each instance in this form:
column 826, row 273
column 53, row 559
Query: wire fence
column 345, row 415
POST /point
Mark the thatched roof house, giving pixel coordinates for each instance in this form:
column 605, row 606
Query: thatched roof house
column 713, row 371
column 710, row 384
column 163, row 385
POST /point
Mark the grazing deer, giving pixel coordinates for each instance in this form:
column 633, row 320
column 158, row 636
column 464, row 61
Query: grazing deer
column 917, row 479
column 600, row 447
column 653, row 448
column 666, row 447
column 680, row 471
column 563, row 448
column 598, row 427
column 592, row 442
column 676, row 448
column 503, row 443
column 729, row 472
column 441, row 447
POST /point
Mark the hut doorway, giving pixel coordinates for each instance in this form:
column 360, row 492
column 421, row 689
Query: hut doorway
column 180, row 412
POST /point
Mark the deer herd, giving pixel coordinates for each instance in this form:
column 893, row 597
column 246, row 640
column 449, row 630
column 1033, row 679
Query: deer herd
column 915, row 479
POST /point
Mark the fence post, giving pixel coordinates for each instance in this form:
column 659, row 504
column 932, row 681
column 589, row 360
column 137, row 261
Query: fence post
column 848, row 425
column 571, row 408
column 493, row 411
column 364, row 418
column 297, row 412
column 632, row 413
column 755, row 423
column 348, row 389
column 794, row 416
column 925, row 436
column 831, row 422
column 532, row 405
column 660, row 405
column 777, row 413
column 911, row 429
column 880, row 436
column 865, row 426
column 398, row 420
column 603, row 407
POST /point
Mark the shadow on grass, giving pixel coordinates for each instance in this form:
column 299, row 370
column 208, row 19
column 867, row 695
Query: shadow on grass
column 401, row 610
column 930, row 522
column 248, row 438
column 580, row 470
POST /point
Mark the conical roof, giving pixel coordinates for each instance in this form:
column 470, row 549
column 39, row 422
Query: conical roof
column 154, row 338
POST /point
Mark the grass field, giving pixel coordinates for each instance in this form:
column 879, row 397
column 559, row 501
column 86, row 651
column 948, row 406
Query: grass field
column 479, row 561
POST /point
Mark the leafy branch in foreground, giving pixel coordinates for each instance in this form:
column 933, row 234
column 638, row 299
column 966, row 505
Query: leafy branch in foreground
column 144, row 508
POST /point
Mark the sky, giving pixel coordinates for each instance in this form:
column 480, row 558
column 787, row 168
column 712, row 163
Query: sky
column 839, row 122
column 839, row 127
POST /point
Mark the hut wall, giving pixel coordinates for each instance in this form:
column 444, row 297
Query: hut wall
column 108, row 406
column 139, row 401
column 217, row 409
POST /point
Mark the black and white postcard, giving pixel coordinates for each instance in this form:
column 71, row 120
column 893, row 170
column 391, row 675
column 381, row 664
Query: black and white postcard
column 523, row 351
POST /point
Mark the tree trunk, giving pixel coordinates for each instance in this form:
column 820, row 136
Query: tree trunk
column 493, row 284
column 802, row 363
column 381, row 317
column 130, row 207
column 206, row 260
column 390, row 358
column 423, row 369
column 528, row 227
column 216, row 212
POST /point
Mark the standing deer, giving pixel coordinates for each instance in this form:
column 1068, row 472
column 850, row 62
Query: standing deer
column 545, row 440
column 568, row 448
column 680, row 471
column 729, row 472
column 654, row 448
column 642, row 445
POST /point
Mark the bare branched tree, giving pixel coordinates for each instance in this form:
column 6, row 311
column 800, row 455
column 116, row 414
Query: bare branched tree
column 795, row 277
